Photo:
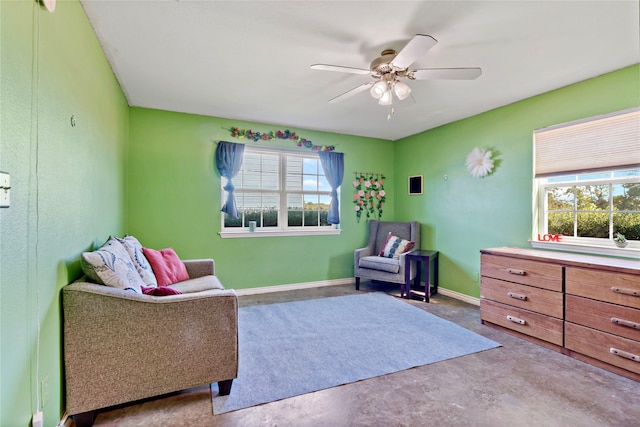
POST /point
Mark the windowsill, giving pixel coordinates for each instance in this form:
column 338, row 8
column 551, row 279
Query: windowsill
column 628, row 252
column 242, row 233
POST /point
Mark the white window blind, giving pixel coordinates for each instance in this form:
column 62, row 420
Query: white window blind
column 598, row 143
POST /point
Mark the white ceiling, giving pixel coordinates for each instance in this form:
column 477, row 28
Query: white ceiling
column 249, row 60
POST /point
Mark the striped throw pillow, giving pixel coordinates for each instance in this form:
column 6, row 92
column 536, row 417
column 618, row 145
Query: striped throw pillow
column 395, row 246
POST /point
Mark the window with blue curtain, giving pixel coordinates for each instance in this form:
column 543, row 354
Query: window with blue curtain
column 284, row 192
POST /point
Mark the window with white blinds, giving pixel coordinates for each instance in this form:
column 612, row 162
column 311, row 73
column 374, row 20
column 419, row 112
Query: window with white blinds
column 600, row 143
column 587, row 179
column 279, row 192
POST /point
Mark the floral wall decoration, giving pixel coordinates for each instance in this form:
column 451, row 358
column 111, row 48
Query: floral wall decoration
column 278, row 134
column 479, row 162
column 369, row 194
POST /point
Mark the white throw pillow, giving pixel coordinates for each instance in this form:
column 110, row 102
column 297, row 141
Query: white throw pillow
column 112, row 266
column 395, row 246
column 140, row 262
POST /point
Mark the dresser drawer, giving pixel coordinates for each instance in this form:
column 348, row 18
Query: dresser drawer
column 526, row 322
column 612, row 318
column 532, row 273
column 616, row 288
column 603, row 346
column 523, row 296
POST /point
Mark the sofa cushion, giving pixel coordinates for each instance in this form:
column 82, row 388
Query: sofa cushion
column 111, row 265
column 197, row 284
column 166, row 266
column 140, row 262
column 395, row 246
column 390, row 265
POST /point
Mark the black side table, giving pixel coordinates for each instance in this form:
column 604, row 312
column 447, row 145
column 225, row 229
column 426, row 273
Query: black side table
column 422, row 256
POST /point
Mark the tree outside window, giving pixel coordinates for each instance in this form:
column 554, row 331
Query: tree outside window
column 595, row 210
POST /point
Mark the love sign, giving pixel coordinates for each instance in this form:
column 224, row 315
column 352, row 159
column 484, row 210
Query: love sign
column 550, row 238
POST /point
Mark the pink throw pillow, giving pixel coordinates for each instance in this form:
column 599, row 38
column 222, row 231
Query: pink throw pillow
column 160, row 291
column 166, row 266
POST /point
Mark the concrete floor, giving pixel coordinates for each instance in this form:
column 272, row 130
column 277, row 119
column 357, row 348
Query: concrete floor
column 519, row 384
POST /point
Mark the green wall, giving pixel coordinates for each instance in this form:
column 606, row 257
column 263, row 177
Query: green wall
column 173, row 187
column 67, row 187
column 174, row 200
column 460, row 215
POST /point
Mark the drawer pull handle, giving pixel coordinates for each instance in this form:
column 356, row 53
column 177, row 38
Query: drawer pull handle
column 625, row 354
column 517, row 296
column 515, row 320
column 631, row 292
column 516, row 271
column 626, row 323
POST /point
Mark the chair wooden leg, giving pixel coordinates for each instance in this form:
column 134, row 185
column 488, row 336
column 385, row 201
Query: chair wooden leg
column 224, row 387
column 357, row 283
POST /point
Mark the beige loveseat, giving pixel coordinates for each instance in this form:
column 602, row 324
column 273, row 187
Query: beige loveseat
column 121, row 346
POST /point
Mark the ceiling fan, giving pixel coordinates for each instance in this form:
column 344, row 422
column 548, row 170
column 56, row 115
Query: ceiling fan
column 390, row 67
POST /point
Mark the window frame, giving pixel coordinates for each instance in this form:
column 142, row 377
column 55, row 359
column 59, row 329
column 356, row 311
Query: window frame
column 598, row 144
column 602, row 246
column 283, row 229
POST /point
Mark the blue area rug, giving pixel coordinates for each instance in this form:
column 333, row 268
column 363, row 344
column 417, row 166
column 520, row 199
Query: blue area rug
column 293, row 348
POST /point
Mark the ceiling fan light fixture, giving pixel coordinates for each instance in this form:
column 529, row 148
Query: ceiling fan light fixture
column 386, row 98
column 402, row 90
column 391, row 66
column 379, row 89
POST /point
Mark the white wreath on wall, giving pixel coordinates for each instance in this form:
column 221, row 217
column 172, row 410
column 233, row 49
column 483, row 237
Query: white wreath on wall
column 479, row 162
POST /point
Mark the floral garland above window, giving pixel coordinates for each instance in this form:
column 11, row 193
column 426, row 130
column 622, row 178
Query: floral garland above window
column 278, row 134
column 369, row 195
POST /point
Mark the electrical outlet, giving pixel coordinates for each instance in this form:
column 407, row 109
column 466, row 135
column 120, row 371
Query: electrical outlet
column 476, row 277
column 44, row 389
column 5, row 186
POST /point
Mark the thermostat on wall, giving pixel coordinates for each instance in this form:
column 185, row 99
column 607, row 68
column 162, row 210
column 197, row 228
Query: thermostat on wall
column 5, row 186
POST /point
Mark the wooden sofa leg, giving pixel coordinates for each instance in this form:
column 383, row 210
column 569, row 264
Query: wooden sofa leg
column 84, row 419
column 357, row 283
column 224, row 387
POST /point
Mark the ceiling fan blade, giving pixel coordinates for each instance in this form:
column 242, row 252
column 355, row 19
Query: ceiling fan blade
column 326, row 67
column 417, row 46
column 351, row 92
column 445, row 74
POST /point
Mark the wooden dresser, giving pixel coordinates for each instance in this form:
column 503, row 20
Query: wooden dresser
column 584, row 306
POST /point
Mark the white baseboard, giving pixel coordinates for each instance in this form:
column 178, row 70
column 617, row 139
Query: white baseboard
column 336, row 282
column 459, row 296
column 295, row 286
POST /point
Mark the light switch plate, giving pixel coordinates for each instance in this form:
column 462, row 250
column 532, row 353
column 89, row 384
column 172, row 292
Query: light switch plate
column 5, row 192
